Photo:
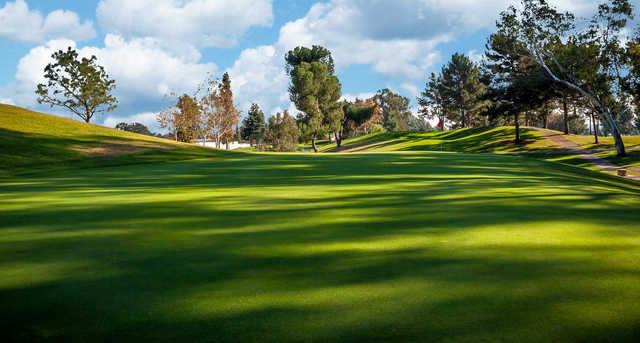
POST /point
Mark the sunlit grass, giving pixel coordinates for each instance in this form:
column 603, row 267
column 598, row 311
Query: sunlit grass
column 293, row 247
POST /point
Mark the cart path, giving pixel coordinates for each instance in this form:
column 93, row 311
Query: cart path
column 599, row 162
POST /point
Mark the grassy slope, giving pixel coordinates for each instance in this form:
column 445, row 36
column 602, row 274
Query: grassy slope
column 482, row 139
column 30, row 141
column 496, row 140
column 296, row 247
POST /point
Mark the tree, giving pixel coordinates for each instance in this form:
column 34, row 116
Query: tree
column 433, row 101
column 134, row 127
column 541, row 30
column 315, row 90
column 303, row 54
column 282, row 132
column 394, row 108
column 461, row 88
column 360, row 116
column 219, row 113
column 79, row 85
column 182, row 120
column 230, row 114
column 253, row 126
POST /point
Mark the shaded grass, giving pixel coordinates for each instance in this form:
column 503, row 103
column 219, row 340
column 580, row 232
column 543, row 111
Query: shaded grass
column 179, row 243
column 480, row 139
column 347, row 247
column 494, row 140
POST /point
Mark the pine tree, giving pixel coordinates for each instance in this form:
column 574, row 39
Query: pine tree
column 253, row 126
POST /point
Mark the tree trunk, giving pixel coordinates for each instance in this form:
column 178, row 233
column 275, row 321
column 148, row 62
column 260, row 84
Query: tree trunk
column 595, row 127
column 313, row 141
column 565, row 115
column 620, row 150
column 338, row 139
column 227, row 145
column 545, row 121
column 617, row 137
column 517, row 125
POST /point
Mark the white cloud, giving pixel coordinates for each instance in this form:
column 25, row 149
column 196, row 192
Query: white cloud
column 258, row 76
column 19, row 23
column 145, row 71
column 146, row 118
column 199, row 22
column 397, row 38
column 7, row 101
column 475, row 56
column 361, row 96
column 412, row 90
column 398, row 42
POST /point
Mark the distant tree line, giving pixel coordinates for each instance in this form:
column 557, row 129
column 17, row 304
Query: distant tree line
column 541, row 67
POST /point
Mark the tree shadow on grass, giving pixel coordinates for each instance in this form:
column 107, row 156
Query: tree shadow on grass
column 384, row 247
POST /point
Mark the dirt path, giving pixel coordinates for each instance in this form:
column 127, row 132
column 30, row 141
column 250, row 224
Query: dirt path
column 599, row 162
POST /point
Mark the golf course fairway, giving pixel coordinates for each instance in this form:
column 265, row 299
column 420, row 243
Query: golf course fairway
column 239, row 247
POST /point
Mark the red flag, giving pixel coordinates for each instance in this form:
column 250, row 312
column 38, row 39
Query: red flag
column 440, row 124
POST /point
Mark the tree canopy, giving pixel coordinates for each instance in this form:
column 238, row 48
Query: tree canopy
column 79, row 85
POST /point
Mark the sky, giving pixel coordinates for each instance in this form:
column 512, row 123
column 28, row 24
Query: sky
column 153, row 48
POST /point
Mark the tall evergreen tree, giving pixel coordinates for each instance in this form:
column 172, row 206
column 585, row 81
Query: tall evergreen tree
column 315, row 90
column 230, row 114
column 463, row 89
column 433, row 101
column 253, row 126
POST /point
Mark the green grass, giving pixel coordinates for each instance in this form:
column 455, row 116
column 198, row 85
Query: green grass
column 32, row 142
column 402, row 246
column 481, row 139
column 493, row 140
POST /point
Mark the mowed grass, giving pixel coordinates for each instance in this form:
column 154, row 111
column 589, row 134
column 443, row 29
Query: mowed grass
column 32, row 142
column 480, row 139
column 189, row 244
column 358, row 247
column 491, row 140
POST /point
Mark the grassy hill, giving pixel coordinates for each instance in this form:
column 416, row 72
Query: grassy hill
column 31, row 141
column 390, row 246
column 480, row 139
column 494, row 140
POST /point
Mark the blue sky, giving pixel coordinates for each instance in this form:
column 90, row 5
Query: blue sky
column 155, row 47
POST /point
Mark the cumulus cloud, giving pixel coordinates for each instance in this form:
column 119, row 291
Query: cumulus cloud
column 258, row 76
column 390, row 36
column 146, row 118
column 19, row 23
column 199, row 22
column 145, row 71
column 361, row 96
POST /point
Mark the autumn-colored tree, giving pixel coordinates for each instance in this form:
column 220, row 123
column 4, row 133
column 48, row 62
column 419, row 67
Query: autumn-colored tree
column 183, row 120
column 228, row 111
column 219, row 114
column 360, row 116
